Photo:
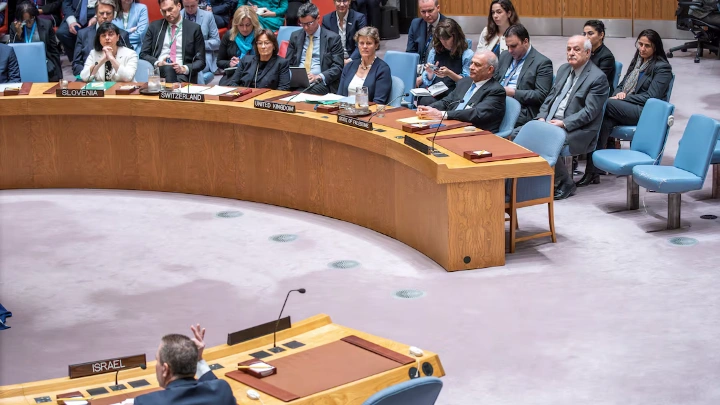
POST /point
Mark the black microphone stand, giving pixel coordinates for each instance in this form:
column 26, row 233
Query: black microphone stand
column 276, row 349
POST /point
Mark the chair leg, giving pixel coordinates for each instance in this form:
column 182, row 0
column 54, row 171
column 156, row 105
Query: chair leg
column 513, row 228
column 551, row 219
column 633, row 194
column 716, row 180
column 673, row 220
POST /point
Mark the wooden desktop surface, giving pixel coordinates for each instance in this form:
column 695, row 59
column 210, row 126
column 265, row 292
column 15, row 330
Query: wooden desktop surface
column 314, row 332
column 448, row 208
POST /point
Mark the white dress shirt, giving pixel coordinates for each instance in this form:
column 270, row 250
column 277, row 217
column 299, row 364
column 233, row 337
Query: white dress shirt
column 165, row 52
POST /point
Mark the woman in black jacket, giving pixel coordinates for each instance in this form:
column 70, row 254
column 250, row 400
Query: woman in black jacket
column 237, row 41
column 29, row 28
column 601, row 56
column 264, row 69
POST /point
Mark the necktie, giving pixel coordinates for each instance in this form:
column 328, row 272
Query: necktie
column 82, row 18
column 466, row 98
column 108, row 71
column 173, row 45
column 308, row 55
column 566, row 88
column 191, row 17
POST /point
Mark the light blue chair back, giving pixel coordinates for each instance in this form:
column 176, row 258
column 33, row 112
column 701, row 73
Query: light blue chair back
column 469, row 42
column 512, row 112
column 398, row 88
column 697, row 145
column 285, row 32
column 419, row 391
column 546, row 140
column 404, row 66
column 141, row 74
column 652, row 129
column 31, row 60
column 670, row 87
column 618, row 72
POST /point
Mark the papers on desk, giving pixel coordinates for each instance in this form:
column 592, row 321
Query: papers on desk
column 207, row 90
column 98, row 85
column 314, row 98
column 193, row 89
column 218, row 90
column 11, row 86
column 416, row 120
column 261, row 10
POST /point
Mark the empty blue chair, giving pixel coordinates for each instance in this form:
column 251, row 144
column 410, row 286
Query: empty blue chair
column 404, row 66
column 31, row 60
column 284, row 33
column 646, row 148
column 398, row 88
column 142, row 72
column 546, row 140
column 512, row 112
column 419, row 391
column 618, row 72
column 689, row 169
column 626, row 132
column 715, row 162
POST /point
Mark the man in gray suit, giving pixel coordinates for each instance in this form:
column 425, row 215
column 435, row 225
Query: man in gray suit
column 206, row 21
column 525, row 73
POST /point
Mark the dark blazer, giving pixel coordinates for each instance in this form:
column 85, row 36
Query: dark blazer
column 70, row 7
column 355, row 21
column 484, row 110
column 223, row 9
column 227, row 50
column 533, row 85
column 9, row 68
column 378, row 80
column 51, row 11
column 276, row 74
column 85, row 43
column 52, row 49
column 654, row 83
column 193, row 44
column 189, row 391
column 583, row 113
column 605, row 60
column 331, row 55
column 416, row 36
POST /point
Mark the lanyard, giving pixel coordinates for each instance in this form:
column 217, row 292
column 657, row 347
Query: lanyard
column 32, row 33
column 177, row 32
column 518, row 64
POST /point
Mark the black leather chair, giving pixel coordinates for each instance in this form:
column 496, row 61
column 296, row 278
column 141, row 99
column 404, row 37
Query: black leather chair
column 707, row 36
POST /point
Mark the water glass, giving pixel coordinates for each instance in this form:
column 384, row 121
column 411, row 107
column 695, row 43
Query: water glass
column 154, row 82
column 63, row 84
column 380, row 111
column 361, row 98
column 162, row 84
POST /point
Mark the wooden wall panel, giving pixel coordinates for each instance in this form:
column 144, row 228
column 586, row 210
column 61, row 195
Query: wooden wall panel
column 597, row 9
column 655, row 9
column 527, row 8
column 620, row 9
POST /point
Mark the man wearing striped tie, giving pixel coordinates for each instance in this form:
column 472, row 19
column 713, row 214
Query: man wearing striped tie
column 478, row 99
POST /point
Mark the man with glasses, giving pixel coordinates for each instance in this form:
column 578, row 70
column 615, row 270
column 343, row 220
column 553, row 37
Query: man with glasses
column 320, row 51
column 421, row 31
column 345, row 22
column 206, row 21
column 85, row 42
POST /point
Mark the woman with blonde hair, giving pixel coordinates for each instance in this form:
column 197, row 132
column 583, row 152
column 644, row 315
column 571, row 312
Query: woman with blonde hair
column 238, row 41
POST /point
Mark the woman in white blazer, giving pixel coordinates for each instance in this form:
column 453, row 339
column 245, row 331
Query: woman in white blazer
column 133, row 18
column 502, row 15
column 109, row 62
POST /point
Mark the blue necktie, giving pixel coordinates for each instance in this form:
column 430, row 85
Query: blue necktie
column 466, row 97
column 83, row 13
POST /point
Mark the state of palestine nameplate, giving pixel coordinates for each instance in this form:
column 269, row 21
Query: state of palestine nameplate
column 171, row 95
column 273, row 106
column 79, row 93
column 354, row 122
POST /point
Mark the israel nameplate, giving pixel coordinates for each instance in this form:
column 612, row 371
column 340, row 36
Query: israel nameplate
column 79, row 93
column 105, row 366
column 354, row 122
column 271, row 105
column 171, row 95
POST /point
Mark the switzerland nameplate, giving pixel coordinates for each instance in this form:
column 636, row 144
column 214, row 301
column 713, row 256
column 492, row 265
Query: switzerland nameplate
column 168, row 95
column 271, row 105
column 354, row 122
column 105, row 366
column 79, row 93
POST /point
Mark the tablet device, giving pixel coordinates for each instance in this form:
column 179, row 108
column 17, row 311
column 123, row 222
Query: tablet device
column 298, row 77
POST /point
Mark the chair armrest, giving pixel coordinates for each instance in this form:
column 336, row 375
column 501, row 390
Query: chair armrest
column 690, row 3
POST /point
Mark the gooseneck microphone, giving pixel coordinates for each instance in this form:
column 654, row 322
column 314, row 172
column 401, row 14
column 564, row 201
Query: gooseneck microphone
column 432, row 148
column 190, row 71
column 92, row 79
column 276, row 349
column 116, row 387
column 304, row 90
column 390, row 103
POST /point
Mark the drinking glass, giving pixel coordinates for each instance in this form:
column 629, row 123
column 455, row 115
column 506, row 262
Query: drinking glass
column 361, row 98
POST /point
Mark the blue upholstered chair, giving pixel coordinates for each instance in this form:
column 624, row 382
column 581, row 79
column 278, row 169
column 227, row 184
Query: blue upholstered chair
column 31, row 60
column 618, row 72
column 646, row 148
column 689, row 169
column 512, row 112
column 141, row 75
column 285, row 31
column 404, row 66
column 546, row 140
column 715, row 162
column 626, row 132
column 398, row 88
column 418, row 391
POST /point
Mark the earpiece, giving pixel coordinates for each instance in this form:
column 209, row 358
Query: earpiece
column 252, row 394
column 416, row 352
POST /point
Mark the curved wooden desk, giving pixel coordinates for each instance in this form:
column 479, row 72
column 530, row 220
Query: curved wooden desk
column 450, row 209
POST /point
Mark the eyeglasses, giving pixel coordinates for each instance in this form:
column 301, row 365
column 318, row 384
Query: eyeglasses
column 342, row 1
column 264, row 44
column 307, row 24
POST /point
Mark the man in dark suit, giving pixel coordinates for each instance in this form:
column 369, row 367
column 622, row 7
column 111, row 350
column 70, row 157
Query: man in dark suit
column 86, row 37
column 178, row 361
column 174, row 45
column 222, row 9
column 9, row 69
column 318, row 50
column 77, row 15
column 478, row 99
column 351, row 21
column 421, row 30
column 526, row 74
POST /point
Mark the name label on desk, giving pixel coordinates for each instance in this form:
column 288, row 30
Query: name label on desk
column 168, row 95
column 271, row 105
column 79, row 93
column 105, row 366
column 354, row 122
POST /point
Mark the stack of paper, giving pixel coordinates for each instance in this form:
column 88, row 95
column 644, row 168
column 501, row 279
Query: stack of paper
column 13, row 86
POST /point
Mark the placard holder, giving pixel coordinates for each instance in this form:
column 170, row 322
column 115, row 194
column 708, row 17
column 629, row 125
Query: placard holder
column 412, row 128
column 11, row 92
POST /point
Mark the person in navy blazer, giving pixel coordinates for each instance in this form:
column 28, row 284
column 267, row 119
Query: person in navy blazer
column 264, row 69
column 86, row 36
column 178, row 361
column 418, row 41
column 369, row 71
column 9, row 69
column 354, row 21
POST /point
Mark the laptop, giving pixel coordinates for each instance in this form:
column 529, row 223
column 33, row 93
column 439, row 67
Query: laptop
column 298, row 77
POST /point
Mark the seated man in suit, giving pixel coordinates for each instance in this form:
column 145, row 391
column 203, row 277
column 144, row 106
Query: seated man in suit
column 86, row 37
column 420, row 34
column 345, row 22
column 174, row 45
column 526, row 74
column 478, row 99
column 206, row 21
column 319, row 50
column 222, row 9
column 9, row 68
column 178, row 361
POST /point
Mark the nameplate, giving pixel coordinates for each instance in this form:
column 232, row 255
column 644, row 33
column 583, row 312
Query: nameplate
column 169, row 95
column 105, row 366
column 354, row 122
column 271, row 105
column 257, row 331
column 79, row 93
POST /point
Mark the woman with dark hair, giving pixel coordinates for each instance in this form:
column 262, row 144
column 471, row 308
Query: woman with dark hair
column 448, row 61
column 368, row 71
column 648, row 76
column 133, row 18
column 109, row 61
column 238, row 41
column 502, row 15
column 29, row 28
column 264, row 68
column 600, row 55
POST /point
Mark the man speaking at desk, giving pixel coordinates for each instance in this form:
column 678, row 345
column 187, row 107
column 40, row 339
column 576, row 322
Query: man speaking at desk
column 478, row 99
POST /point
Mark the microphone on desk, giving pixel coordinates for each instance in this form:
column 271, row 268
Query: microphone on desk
column 190, row 70
column 92, row 76
column 116, row 387
column 276, row 349
column 306, row 89
column 432, row 148
column 390, row 103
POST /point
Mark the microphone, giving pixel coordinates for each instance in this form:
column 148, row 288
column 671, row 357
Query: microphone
column 432, row 148
column 276, row 349
column 116, row 387
column 306, row 89
column 190, row 70
column 92, row 79
column 390, row 103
